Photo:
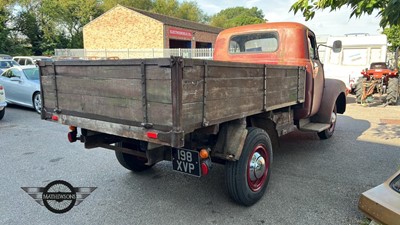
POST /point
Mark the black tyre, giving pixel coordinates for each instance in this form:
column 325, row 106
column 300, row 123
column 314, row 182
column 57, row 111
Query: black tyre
column 392, row 91
column 247, row 178
column 359, row 89
column 2, row 112
column 131, row 162
column 329, row 132
column 37, row 102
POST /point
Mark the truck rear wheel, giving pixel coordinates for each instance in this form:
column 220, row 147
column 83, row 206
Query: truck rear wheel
column 392, row 91
column 247, row 178
column 359, row 89
column 131, row 162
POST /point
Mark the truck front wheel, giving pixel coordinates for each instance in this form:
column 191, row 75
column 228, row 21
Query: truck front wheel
column 247, row 178
column 131, row 162
column 329, row 132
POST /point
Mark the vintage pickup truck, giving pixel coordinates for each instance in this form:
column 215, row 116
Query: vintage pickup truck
column 265, row 80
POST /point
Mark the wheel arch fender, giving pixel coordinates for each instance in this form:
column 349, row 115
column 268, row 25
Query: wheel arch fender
column 334, row 95
column 231, row 138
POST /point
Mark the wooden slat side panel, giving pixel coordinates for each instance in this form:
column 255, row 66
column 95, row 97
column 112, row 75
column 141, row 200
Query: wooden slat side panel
column 113, row 88
column 125, row 109
column 100, row 72
column 158, row 91
column 113, row 91
column 160, row 113
column 193, row 84
column 225, row 88
column 234, row 72
column 233, row 107
column 192, row 114
column 282, row 86
column 233, row 92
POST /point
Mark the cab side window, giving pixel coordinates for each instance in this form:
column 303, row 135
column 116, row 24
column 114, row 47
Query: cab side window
column 312, row 48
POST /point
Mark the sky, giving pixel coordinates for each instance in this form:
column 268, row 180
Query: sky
column 335, row 23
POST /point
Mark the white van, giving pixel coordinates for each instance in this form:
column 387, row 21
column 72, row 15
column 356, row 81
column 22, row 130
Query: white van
column 359, row 51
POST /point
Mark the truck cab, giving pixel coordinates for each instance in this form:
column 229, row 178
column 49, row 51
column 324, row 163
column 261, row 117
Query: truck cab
column 283, row 43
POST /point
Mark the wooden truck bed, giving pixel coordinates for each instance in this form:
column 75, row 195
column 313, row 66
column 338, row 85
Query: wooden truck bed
column 173, row 96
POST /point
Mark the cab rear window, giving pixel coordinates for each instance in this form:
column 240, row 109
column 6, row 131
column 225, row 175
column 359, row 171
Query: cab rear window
column 255, row 42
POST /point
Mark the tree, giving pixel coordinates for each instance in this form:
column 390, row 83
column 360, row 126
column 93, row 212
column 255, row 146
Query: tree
column 237, row 16
column 393, row 35
column 71, row 16
column 139, row 4
column 389, row 10
column 190, row 11
column 185, row 10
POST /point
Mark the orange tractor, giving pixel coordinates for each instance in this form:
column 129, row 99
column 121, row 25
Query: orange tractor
column 379, row 79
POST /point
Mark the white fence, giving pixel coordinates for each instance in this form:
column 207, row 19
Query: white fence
column 202, row 53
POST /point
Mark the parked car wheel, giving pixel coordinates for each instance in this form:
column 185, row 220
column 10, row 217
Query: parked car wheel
column 2, row 112
column 131, row 162
column 329, row 132
column 37, row 102
column 392, row 91
column 247, row 178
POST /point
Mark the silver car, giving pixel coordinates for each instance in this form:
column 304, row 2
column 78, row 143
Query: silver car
column 22, row 86
column 3, row 102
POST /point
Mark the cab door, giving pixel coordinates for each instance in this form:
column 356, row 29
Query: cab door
column 317, row 73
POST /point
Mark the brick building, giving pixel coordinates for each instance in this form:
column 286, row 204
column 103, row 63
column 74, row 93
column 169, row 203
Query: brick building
column 129, row 28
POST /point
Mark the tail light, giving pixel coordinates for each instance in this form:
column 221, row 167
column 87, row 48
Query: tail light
column 72, row 135
column 152, row 135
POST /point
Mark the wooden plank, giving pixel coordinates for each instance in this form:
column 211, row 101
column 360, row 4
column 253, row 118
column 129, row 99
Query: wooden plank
column 115, row 88
column 223, row 108
column 193, row 72
column 154, row 72
column 126, row 109
column 100, row 72
column 159, row 113
column 192, row 115
column 229, row 72
column 159, row 91
column 234, row 87
column 192, row 81
column 192, row 91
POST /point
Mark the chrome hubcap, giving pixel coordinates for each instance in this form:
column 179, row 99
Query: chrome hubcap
column 257, row 167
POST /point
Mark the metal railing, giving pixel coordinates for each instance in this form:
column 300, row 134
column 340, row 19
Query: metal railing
column 201, row 53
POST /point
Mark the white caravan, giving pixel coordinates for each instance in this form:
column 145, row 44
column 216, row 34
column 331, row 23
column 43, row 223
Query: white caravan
column 358, row 52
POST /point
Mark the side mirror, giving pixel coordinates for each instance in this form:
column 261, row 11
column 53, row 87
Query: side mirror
column 337, row 46
column 17, row 79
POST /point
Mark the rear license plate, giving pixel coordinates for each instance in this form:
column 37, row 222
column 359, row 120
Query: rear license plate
column 186, row 161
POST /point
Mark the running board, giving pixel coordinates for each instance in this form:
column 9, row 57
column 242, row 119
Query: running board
column 318, row 127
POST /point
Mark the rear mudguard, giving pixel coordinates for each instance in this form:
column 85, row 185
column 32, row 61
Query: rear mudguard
column 334, row 94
